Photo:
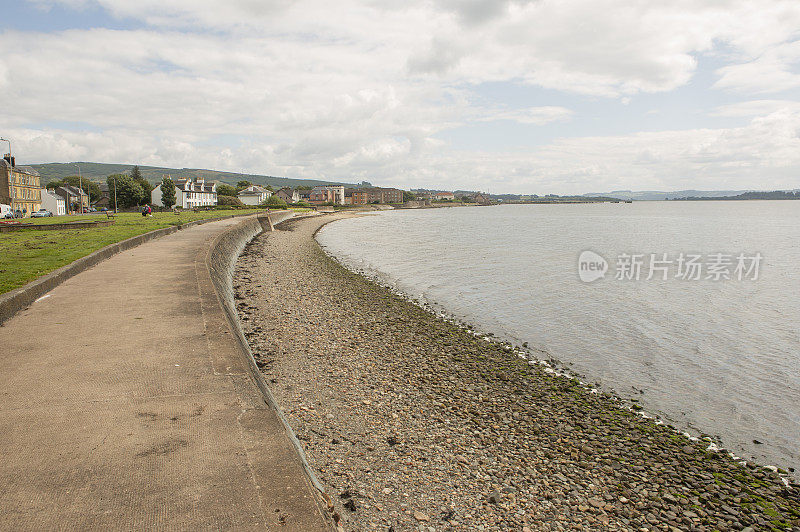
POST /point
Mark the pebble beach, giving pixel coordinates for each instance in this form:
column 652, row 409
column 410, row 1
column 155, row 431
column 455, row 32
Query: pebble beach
column 412, row 422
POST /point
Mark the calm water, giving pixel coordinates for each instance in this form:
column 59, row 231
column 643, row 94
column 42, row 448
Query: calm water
column 722, row 357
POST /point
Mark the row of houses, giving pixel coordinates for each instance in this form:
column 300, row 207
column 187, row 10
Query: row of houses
column 340, row 195
column 21, row 190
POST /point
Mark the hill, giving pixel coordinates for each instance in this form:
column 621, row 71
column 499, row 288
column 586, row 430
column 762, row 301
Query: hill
column 655, row 195
column 99, row 172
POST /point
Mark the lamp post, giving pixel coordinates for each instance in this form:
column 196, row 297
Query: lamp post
column 115, row 194
column 10, row 174
column 9, row 147
column 80, row 187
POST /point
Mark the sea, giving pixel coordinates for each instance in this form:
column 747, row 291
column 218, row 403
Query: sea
column 692, row 309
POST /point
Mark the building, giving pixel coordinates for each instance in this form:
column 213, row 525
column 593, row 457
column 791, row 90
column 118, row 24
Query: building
column 105, row 199
column 303, row 194
column 365, row 195
column 188, row 194
column 254, row 195
column 53, row 203
column 327, row 194
column 20, row 186
column 444, row 196
column 481, row 199
column 288, row 195
column 75, row 199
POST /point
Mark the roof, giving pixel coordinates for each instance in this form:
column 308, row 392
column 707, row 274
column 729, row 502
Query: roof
column 19, row 169
column 52, row 194
column 26, row 170
column 72, row 191
column 254, row 189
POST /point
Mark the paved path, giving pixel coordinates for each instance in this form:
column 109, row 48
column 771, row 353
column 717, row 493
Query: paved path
column 125, row 403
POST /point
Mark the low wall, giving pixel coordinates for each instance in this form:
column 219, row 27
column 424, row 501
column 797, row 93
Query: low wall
column 221, row 261
column 19, row 299
column 7, row 228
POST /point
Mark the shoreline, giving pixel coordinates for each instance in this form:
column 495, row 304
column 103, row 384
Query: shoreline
column 511, row 344
column 409, row 420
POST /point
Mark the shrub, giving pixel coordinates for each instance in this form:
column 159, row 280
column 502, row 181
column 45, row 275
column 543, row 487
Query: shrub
column 228, row 201
column 274, row 202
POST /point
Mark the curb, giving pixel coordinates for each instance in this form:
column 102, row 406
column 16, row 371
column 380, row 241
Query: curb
column 22, row 297
column 221, row 263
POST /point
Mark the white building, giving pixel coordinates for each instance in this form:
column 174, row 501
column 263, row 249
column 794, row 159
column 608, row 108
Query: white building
column 188, row 194
column 53, row 203
column 254, row 195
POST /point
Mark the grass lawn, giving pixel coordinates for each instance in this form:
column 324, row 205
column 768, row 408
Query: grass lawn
column 28, row 254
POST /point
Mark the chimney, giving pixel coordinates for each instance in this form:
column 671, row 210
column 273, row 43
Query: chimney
column 9, row 159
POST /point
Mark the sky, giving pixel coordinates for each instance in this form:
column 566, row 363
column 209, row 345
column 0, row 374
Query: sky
column 503, row 96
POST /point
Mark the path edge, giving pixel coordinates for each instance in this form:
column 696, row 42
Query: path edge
column 221, row 259
column 21, row 298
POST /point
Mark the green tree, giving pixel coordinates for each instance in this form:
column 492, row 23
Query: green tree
column 168, row 192
column 241, row 185
column 409, row 196
column 226, row 190
column 269, row 187
column 129, row 192
column 137, row 177
column 228, row 200
column 135, row 173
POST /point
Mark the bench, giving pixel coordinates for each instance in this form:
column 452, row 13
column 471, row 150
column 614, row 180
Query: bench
column 110, row 214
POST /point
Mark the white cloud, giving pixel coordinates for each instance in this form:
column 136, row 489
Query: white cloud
column 773, row 71
column 754, row 108
column 538, row 116
column 356, row 90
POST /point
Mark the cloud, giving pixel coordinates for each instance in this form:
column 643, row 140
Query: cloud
column 359, row 90
column 771, row 72
column 538, row 116
column 754, row 108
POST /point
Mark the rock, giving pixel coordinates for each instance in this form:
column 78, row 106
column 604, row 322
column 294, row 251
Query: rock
column 597, row 503
column 419, row 516
column 494, row 497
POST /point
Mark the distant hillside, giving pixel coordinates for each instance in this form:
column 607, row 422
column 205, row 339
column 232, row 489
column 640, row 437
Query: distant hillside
column 99, row 172
column 772, row 195
column 654, row 195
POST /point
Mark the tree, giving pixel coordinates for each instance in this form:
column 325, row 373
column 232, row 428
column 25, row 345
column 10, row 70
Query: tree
column 136, row 175
column 226, row 190
column 269, row 187
column 129, row 192
column 408, row 196
column 168, row 192
column 241, row 185
column 228, row 200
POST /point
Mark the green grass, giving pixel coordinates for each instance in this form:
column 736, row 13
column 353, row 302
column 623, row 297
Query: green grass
column 28, row 254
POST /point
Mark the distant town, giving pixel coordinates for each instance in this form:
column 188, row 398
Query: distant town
column 26, row 192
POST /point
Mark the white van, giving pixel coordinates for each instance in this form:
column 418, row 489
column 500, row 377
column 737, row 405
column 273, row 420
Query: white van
column 5, row 211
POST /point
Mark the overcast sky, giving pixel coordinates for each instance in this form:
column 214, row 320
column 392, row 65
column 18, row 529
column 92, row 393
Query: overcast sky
column 547, row 96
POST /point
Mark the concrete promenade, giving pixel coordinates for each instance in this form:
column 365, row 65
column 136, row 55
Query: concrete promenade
column 126, row 403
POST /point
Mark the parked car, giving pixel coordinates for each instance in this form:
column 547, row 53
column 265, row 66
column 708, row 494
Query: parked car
column 5, row 211
column 41, row 213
